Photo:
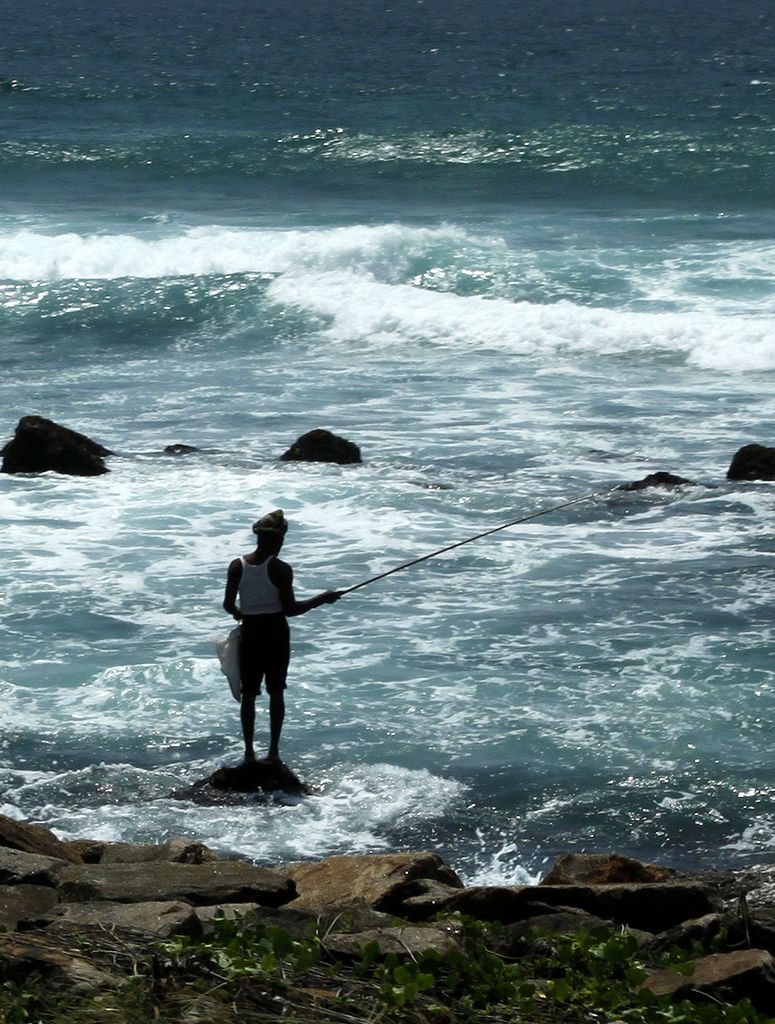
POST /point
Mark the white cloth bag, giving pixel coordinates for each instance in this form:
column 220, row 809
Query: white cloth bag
column 227, row 650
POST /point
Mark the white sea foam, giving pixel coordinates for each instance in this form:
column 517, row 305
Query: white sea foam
column 386, row 249
column 352, row 810
column 355, row 279
column 362, row 310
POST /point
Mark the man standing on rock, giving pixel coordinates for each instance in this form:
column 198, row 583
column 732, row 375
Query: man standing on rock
column 264, row 585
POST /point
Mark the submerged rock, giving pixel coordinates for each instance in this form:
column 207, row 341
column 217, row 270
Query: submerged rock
column 180, row 449
column 40, row 445
column 752, row 462
column 322, row 446
column 660, row 479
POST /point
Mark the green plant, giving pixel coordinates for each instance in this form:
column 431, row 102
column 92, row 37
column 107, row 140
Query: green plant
column 18, row 1001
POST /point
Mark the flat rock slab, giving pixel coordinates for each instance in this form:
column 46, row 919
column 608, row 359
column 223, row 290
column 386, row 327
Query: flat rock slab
column 251, row 777
column 409, row 941
column 26, row 904
column 161, row 920
column 19, row 868
column 378, row 880
column 215, row 882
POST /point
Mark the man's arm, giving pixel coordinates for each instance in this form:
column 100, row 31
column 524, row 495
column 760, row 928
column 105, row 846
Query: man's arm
column 233, row 577
column 281, row 575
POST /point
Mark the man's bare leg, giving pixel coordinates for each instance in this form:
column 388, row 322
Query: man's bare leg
column 276, row 719
column 248, row 718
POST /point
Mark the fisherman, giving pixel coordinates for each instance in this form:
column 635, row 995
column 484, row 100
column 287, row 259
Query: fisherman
column 264, row 585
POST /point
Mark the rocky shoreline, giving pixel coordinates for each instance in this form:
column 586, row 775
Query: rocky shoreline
column 134, row 895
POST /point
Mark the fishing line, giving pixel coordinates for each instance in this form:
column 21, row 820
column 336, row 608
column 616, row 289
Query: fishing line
column 478, row 536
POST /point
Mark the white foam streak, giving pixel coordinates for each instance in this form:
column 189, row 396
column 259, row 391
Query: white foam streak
column 33, row 256
column 361, row 309
column 356, row 278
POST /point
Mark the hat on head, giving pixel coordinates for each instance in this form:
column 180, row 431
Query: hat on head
column 275, row 522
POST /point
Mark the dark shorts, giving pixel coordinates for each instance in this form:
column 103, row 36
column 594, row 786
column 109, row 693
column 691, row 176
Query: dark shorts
column 265, row 651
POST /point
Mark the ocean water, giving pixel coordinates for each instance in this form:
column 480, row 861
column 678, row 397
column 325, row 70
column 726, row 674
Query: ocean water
column 520, row 254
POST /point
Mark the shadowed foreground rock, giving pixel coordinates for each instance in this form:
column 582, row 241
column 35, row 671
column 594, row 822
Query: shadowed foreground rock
column 649, row 906
column 40, row 445
column 322, row 446
column 255, row 777
column 84, row 928
column 741, row 974
column 752, row 462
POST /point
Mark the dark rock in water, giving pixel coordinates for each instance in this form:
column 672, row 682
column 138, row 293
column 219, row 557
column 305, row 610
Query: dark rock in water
column 180, row 449
column 752, row 462
column 660, row 479
column 248, row 777
column 322, row 446
column 40, row 445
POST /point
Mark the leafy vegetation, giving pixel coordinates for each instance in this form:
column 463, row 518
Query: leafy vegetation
column 250, row 972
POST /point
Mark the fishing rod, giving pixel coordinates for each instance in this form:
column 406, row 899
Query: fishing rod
column 478, row 536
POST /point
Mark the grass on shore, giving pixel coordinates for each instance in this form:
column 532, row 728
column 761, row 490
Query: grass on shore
column 257, row 973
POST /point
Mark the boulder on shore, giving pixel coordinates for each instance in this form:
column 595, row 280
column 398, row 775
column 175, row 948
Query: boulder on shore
column 603, row 869
column 322, row 446
column 40, row 445
column 649, row 906
column 752, row 462
column 379, row 880
column 27, row 838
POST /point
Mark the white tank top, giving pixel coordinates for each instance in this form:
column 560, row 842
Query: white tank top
column 257, row 594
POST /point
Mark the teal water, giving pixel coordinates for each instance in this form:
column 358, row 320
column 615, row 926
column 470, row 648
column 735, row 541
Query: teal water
column 518, row 257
